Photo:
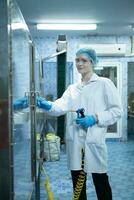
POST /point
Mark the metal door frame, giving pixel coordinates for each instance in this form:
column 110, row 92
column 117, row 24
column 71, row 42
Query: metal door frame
column 32, row 97
column 117, row 64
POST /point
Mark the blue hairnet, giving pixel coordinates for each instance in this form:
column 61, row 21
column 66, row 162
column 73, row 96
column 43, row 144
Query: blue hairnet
column 89, row 53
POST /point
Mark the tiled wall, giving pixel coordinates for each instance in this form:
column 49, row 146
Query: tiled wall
column 50, row 78
column 47, row 45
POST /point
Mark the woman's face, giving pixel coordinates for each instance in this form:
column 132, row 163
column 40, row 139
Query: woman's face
column 84, row 65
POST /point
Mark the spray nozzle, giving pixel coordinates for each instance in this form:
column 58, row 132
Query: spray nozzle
column 80, row 113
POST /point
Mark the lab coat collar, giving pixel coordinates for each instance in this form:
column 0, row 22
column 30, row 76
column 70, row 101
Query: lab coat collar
column 93, row 78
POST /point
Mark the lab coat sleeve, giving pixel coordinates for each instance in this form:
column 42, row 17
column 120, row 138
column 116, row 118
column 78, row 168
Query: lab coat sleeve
column 62, row 105
column 114, row 109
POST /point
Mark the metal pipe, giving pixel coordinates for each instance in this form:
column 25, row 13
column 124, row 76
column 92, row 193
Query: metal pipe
column 54, row 55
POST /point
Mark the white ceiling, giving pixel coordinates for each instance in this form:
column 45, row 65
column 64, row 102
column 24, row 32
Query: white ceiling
column 113, row 17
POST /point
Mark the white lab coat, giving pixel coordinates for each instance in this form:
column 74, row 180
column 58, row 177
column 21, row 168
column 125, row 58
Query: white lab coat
column 99, row 96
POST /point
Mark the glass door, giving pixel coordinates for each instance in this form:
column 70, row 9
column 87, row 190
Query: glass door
column 20, row 85
column 112, row 70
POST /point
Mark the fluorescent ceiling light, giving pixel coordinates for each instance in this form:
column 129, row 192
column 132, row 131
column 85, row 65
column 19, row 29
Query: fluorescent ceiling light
column 18, row 25
column 66, row 26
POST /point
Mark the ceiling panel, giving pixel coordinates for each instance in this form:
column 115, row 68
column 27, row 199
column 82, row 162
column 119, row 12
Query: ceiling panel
column 112, row 17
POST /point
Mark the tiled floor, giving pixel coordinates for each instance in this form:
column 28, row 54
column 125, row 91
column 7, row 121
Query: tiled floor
column 121, row 173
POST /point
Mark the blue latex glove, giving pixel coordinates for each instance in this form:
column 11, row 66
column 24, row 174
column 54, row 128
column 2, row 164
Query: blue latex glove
column 86, row 121
column 43, row 103
column 20, row 103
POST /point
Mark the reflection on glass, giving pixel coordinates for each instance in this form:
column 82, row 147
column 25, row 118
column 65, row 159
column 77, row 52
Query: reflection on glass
column 20, row 85
column 111, row 73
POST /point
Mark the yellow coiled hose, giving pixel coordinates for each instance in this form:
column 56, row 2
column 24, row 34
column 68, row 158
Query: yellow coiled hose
column 80, row 181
